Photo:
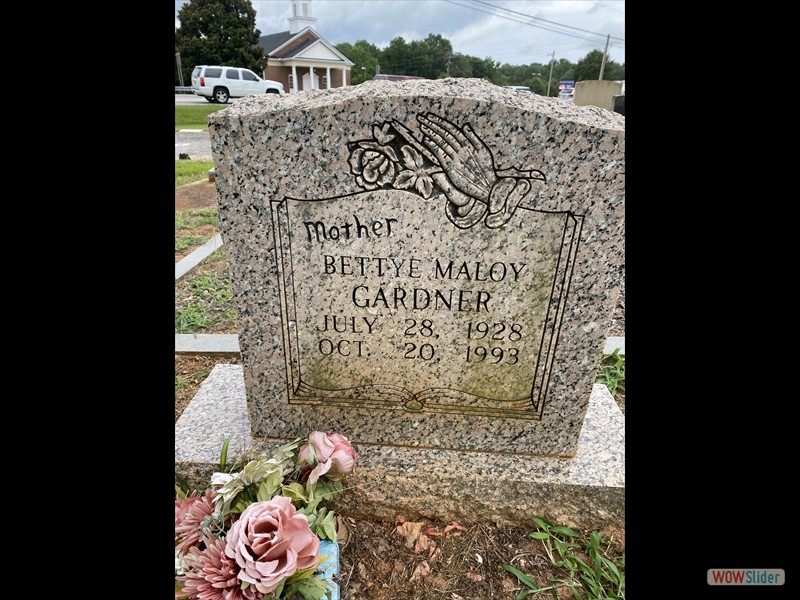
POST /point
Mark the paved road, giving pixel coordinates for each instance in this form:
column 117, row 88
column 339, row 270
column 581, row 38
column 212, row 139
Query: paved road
column 189, row 99
column 194, row 143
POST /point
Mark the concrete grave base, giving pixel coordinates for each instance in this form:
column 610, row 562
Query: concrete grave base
column 585, row 491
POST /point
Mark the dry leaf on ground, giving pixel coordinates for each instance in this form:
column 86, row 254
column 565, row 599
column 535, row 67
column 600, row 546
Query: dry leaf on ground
column 410, row 532
column 420, row 571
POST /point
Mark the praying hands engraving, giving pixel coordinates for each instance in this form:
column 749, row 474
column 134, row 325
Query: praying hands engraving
column 448, row 159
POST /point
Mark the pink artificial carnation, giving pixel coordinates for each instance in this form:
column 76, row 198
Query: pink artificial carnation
column 189, row 515
column 214, row 576
column 270, row 542
column 333, row 453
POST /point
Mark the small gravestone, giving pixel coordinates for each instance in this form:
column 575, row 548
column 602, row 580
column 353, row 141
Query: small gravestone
column 426, row 267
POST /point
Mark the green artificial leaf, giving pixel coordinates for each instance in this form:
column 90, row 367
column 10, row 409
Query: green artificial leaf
column 328, row 489
column 325, row 525
column 240, row 503
column 269, row 486
column 295, row 491
column 223, row 455
column 312, row 504
column 300, row 575
column 310, row 588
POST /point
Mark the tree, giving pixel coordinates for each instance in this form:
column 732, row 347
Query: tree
column 484, row 68
column 440, row 51
column 364, row 57
column 218, row 32
column 589, row 68
column 420, row 61
column 460, row 65
column 396, row 58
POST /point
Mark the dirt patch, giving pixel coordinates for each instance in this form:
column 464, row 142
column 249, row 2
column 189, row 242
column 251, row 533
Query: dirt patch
column 201, row 194
column 195, row 196
column 454, row 561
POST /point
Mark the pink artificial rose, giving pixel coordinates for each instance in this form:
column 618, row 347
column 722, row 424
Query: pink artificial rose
column 332, row 453
column 270, row 541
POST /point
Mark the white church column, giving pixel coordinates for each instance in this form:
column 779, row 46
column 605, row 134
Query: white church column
column 311, row 78
column 344, row 77
column 328, row 78
column 294, row 78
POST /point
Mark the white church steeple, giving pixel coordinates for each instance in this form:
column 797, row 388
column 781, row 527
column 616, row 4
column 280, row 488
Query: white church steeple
column 301, row 16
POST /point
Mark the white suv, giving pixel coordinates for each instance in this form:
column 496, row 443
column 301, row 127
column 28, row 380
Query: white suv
column 219, row 84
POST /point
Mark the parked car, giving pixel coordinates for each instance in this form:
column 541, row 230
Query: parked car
column 519, row 88
column 219, row 84
column 567, row 94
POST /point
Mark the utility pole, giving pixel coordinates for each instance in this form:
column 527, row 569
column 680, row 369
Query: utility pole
column 605, row 53
column 552, row 59
column 180, row 71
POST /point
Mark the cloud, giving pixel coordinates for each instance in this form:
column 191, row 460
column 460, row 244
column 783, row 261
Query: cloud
column 571, row 29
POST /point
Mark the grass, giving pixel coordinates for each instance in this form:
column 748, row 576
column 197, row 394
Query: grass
column 187, row 222
column 204, row 302
column 181, row 243
column 612, row 372
column 194, row 116
column 193, row 218
column 590, row 569
column 189, row 171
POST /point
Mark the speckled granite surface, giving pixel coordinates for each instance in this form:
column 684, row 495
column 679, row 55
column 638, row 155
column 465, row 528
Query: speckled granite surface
column 422, row 264
column 585, row 491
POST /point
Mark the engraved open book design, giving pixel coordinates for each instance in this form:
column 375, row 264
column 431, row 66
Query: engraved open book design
column 432, row 290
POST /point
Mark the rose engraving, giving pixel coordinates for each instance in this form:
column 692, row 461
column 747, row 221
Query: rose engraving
column 445, row 160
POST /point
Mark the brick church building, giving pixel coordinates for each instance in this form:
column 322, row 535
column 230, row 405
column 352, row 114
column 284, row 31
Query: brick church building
column 300, row 58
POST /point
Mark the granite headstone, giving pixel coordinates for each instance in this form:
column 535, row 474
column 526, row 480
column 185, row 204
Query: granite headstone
column 429, row 268
column 427, row 263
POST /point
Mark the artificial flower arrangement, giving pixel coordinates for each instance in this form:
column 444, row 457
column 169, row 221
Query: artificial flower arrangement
column 254, row 533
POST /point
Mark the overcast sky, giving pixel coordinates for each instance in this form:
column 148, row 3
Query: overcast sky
column 516, row 32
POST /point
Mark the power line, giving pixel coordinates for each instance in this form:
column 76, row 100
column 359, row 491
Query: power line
column 494, row 14
column 527, row 16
